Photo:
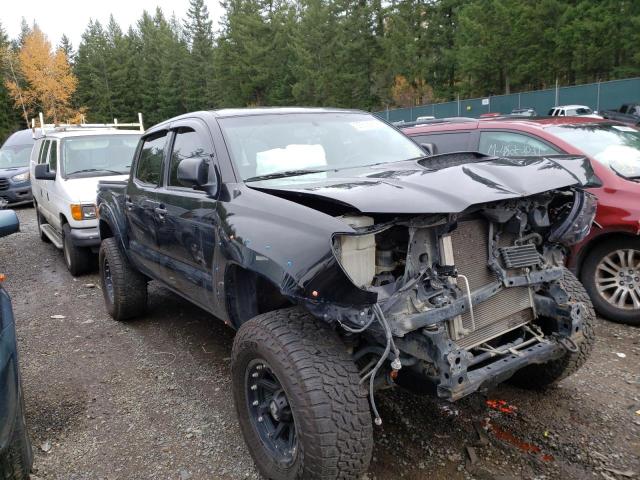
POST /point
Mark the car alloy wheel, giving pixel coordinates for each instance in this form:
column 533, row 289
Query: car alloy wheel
column 270, row 412
column 617, row 278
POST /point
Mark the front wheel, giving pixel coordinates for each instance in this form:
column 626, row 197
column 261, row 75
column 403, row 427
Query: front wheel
column 301, row 409
column 77, row 259
column 611, row 275
column 538, row 377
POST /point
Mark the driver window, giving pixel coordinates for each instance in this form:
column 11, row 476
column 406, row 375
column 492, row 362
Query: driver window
column 53, row 156
column 187, row 144
column 508, row 144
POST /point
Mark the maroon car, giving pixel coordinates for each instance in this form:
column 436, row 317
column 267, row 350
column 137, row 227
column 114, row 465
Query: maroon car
column 608, row 260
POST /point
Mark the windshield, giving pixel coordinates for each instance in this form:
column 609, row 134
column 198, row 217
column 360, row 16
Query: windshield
column 617, row 146
column 98, row 155
column 283, row 145
column 12, row 156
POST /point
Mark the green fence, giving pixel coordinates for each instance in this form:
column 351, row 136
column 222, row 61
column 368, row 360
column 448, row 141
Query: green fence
column 598, row 96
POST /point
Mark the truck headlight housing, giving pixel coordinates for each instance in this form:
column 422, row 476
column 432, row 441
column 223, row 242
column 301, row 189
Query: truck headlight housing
column 21, row 177
column 83, row 212
column 574, row 227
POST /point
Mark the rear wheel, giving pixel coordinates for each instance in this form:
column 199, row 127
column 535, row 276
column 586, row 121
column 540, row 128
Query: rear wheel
column 611, row 275
column 301, row 409
column 548, row 374
column 78, row 259
column 123, row 287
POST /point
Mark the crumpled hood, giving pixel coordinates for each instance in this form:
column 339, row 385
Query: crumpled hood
column 10, row 172
column 430, row 186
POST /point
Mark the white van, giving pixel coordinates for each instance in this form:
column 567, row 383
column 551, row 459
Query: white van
column 66, row 165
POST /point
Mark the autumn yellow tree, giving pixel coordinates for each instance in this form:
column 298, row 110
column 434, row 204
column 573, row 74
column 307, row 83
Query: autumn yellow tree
column 46, row 81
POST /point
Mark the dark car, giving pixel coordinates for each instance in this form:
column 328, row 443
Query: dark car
column 15, row 185
column 349, row 261
column 608, row 259
column 15, row 449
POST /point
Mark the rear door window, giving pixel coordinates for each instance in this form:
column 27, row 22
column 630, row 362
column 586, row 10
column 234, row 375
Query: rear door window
column 511, row 144
column 149, row 168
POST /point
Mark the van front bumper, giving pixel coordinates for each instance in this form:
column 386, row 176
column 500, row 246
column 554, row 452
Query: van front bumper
column 85, row 237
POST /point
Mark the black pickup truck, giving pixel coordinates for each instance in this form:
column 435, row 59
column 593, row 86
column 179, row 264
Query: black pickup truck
column 628, row 113
column 348, row 260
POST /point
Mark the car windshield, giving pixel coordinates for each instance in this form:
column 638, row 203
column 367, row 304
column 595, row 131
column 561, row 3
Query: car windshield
column 264, row 146
column 98, row 155
column 12, row 156
column 617, row 146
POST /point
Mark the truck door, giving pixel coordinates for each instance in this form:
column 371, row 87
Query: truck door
column 141, row 203
column 182, row 230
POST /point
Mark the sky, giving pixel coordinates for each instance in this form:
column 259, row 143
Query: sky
column 72, row 16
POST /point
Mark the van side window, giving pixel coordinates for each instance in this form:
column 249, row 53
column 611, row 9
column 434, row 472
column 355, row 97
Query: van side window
column 53, row 156
column 149, row 168
column 44, row 149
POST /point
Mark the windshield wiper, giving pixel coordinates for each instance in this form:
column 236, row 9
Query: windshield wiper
column 86, row 170
column 286, row 173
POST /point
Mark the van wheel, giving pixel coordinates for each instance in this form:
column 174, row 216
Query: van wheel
column 40, row 221
column 78, row 259
column 301, row 409
column 123, row 287
column 611, row 275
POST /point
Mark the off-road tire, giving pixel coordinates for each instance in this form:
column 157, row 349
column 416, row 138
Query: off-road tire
column 539, row 377
column 16, row 460
column 330, row 408
column 40, row 221
column 128, row 297
column 587, row 275
column 77, row 259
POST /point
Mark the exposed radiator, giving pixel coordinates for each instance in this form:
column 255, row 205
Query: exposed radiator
column 505, row 311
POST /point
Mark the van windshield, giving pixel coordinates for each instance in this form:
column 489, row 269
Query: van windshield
column 98, row 155
column 13, row 156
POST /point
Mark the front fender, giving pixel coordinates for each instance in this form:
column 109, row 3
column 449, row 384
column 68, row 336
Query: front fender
column 289, row 244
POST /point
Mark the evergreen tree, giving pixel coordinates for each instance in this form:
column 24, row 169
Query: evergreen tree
column 198, row 35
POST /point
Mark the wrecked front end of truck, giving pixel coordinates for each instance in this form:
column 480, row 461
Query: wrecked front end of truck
column 463, row 300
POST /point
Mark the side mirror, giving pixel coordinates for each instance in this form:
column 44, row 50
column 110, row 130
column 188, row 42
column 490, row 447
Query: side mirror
column 9, row 222
column 42, row 172
column 429, row 148
column 194, row 173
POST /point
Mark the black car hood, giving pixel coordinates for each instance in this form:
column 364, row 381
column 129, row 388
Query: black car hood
column 10, row 172
column 435, row 184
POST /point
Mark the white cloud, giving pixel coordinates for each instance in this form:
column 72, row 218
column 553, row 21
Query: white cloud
column 71, row 17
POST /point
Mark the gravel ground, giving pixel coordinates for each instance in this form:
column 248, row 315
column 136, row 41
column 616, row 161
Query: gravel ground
column 152, row 398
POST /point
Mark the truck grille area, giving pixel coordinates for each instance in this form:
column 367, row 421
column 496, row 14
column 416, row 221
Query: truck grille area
column 507, row 310
column 4, row 184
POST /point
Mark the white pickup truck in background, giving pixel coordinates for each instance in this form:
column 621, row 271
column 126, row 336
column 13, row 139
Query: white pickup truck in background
column 66, row 165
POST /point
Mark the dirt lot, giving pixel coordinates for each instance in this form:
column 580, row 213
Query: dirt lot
column 152, row 398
